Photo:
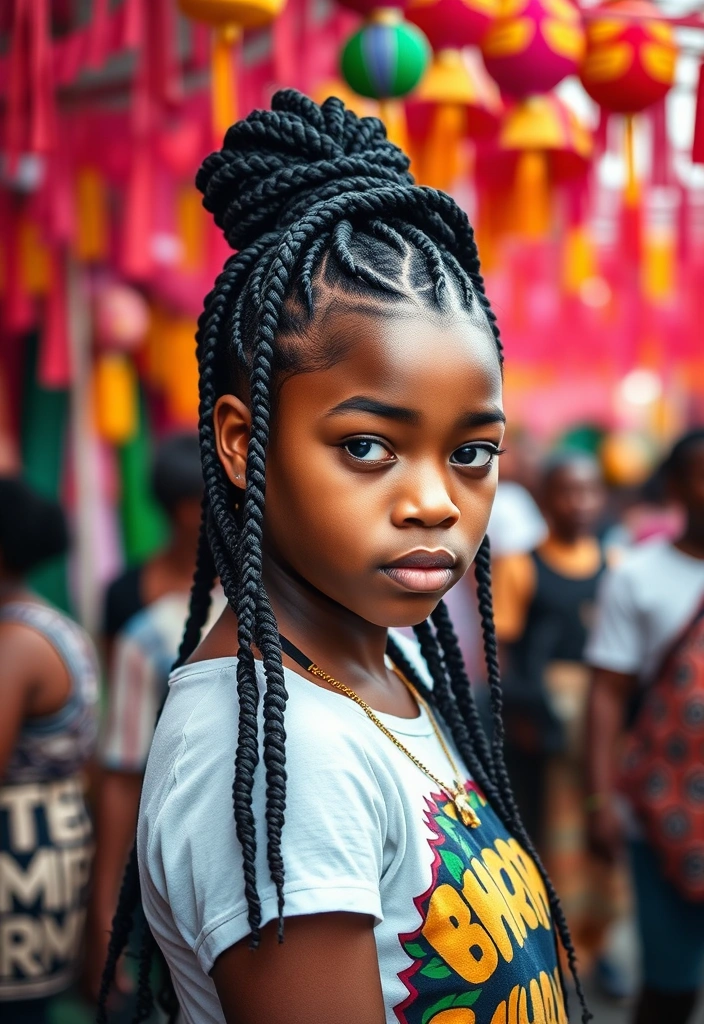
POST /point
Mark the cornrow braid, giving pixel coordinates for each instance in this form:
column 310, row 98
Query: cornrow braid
column 318, row 206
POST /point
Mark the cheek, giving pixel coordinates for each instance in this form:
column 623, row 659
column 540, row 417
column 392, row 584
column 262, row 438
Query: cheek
column 314, row 513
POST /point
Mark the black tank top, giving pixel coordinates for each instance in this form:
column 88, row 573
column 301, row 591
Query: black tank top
column 557, row 623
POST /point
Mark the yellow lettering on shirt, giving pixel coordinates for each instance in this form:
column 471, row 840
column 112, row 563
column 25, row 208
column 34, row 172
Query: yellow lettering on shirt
column 462, row 943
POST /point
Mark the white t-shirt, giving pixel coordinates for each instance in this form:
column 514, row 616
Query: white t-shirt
column 516, row 524
column 644, row 602
column 461, row 915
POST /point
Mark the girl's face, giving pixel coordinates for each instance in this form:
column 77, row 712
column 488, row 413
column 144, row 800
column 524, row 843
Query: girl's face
column 381, row 470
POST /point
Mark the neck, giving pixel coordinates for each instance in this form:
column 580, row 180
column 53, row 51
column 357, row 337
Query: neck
column 567, row 538
column 332, row 636
column 692, row 540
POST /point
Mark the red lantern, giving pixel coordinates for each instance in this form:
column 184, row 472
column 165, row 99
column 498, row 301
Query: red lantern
column 630, row 58
column 452, row 24
column 533, row 45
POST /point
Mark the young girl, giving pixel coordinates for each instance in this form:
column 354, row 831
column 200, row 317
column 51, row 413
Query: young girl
column 375, row 868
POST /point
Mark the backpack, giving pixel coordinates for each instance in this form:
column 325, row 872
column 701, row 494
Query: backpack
column 663, row 765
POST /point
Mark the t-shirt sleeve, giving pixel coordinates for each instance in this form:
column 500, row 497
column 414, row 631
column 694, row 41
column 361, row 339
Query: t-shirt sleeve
column 332, row 845
column 616, row 640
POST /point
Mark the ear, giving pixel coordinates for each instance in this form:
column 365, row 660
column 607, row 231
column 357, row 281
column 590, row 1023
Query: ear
column 232, row 421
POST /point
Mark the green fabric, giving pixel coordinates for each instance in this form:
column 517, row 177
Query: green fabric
column 144, row 526
column 44, row 430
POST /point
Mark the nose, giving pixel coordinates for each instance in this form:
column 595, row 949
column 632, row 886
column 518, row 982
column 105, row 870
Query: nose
column 425, row 500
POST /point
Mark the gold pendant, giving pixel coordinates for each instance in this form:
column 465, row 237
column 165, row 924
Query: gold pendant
column 465, row 809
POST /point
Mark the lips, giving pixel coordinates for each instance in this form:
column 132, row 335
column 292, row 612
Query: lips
column 422, row 572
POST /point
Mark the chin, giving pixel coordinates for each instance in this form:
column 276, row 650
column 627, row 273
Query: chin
column 407, row 613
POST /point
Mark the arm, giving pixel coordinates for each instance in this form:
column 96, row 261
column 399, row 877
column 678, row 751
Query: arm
column 133, row 693
column 325, row 970
column 15, row 691
column 117, row 801
column 608, row 698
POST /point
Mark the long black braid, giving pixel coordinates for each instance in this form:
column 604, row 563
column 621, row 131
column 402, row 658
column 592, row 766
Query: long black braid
column 319, row 207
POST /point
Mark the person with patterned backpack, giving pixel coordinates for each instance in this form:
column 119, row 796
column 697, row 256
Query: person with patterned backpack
column 646, row 741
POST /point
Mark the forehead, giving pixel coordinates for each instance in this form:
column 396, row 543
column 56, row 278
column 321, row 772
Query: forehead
column 409, row 354
column 581, row 471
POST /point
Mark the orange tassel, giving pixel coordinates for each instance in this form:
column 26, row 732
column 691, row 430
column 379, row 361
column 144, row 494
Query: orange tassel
column 35, row 260
column 115, row 391
column 531, row 196
column 578, row 263
column 442, row 153
column 91, row 216
column 224, row 79
column 191, row 228
column 393, row 114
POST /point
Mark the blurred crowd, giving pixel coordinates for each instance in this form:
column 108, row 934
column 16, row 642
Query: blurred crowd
column 599, row 606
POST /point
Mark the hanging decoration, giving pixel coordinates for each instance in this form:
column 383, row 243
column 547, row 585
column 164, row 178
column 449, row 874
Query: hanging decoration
column 630, row 56
column 456, row 99
column 385, row 60
column 228, row 18
column 121, row 319
column 530, row 48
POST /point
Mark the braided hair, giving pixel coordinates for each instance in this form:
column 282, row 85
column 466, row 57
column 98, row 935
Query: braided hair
column 319, row 207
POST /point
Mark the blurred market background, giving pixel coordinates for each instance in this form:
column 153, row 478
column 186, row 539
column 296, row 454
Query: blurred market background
column 573, row 135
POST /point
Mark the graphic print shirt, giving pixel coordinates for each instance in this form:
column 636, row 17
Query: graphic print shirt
column 462, row 924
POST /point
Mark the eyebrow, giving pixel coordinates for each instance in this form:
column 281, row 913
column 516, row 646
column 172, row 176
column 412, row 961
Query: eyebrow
column 399, row 413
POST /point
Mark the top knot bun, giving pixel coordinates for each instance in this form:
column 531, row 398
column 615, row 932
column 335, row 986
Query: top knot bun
column 278, row 163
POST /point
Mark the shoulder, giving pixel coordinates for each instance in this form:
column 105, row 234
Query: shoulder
column 640, row 566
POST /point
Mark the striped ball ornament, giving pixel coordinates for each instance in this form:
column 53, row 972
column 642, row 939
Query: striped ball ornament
column 386, row 58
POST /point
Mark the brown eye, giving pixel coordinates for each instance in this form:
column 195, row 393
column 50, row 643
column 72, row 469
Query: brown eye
column 366, row 450
column 475, row 456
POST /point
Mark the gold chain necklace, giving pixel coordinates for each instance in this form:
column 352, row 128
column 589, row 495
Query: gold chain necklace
column 456, row 793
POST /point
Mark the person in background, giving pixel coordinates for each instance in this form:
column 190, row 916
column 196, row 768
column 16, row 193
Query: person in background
column 143, row 652
column 177, row 485
column 644, row 605
column 516, row 524
column 543, row 605
column 48, row 729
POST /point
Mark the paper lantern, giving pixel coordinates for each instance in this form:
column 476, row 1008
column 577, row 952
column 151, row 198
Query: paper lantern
column 541, row 144
column 386, row 58
column 244, row 13
column 629, row 64
column 455, row 101
column 533, row 44
column 452, row 24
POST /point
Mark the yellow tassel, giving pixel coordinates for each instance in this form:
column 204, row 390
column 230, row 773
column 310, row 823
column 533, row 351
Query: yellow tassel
column 632, row 191
column 393, row 114
column 578, row 263
column 35, row 264
column 658, row 266
column 190, row 227
column 181, row 380
column 223, row 88
column 91, row 216
column 115, row 391
column 531, row 196
column 442, row 153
